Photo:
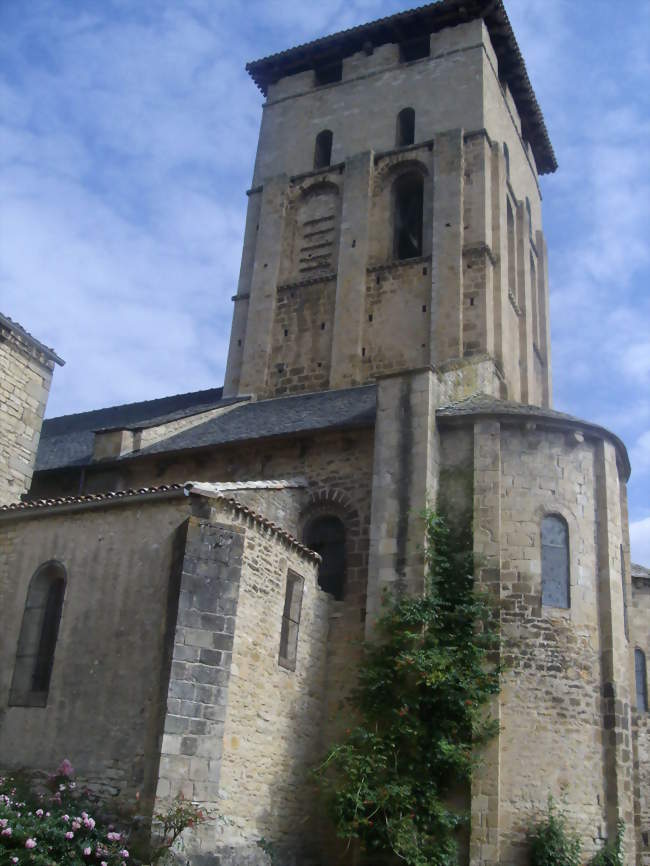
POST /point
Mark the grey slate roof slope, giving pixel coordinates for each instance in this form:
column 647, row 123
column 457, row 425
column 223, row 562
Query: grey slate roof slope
column 68, row 439
column 279, row 416
column 484, row 404
column 640, row 571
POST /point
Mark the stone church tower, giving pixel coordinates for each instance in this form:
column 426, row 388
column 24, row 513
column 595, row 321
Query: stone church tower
column 390, row 349
column 394, row 220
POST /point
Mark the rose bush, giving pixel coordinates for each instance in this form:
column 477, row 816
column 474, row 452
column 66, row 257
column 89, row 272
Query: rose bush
column 55, row 825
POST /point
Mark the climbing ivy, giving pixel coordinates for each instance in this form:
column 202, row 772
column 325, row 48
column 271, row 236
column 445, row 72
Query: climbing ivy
column 420, row 711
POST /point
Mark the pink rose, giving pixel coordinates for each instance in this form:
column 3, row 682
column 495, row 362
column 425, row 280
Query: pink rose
column 103, row 863
column 39, row 813
column 30, row 843
column 113, row 837
column 65, row 817
column 6, row 832
column 69, row 835
column 87, row 852
column 90, row 823
column 4, row 822
column 124, row 853
column 76, row 825
column 65, row 768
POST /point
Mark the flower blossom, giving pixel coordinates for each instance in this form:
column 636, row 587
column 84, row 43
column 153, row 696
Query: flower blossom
column 4, row 822
column 89, row 823
column 69, row 835
column 124, row 853
column 65, row 768
column 65, row 817
column 30, row 843
column 87, row 851
column 39, row 813
column 6, row 832
column 76, row 825
column 113, row 837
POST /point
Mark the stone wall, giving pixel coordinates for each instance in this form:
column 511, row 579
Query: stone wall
column 104, row 707
column 639, row 617
column 274, row 726
column 25, row 378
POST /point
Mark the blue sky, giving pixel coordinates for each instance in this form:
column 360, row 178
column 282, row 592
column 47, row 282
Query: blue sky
column 127, row 138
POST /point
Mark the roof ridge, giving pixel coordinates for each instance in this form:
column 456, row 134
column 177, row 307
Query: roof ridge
column 367, row 386
column 133, row 403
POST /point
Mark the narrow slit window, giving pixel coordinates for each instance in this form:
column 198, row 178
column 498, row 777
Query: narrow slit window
column 555, row 562
column 641, row 677
column 38, row 636
column 506, row 156
column 326, row 535
column 323, row 149
column 512, row 262
column 408, row 202
column 530, row 218
column 291, row 621
column 405, row 127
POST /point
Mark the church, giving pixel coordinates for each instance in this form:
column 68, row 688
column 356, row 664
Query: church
column 184, row 582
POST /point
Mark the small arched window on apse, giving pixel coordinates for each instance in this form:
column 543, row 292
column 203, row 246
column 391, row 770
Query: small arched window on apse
column 405, row 127
column 326, row 535
column 38, row 635
column 555, row 562
column 323, row 149
column 641, row 676
column 408, row 191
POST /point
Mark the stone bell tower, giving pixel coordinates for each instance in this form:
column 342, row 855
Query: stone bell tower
column 394, row 220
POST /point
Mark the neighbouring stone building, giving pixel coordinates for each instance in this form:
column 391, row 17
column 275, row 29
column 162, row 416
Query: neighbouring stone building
column 185, row 584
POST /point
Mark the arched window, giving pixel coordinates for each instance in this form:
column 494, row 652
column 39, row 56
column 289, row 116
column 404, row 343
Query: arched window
column 38, row 634
column 408, row 200
column 323, row 149
column 326, row 535
column 641, row 681
column 555, row 561
column 405, row 127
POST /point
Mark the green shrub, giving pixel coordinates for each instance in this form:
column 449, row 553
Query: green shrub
column 420, row 712
column 56, row 825
column 60, row 824
column 612, row 853
column 551, row 843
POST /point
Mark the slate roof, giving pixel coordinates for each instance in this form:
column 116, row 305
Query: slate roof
column 68, row 439
column 14, row 327
column 484, row 404
column 279, row 416
column 640, row 571
column 417, row 22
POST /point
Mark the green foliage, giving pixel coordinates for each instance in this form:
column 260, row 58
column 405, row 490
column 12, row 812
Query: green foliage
column 420, row 711
column 551, row 843
column 612, row 853
column 59, row 823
